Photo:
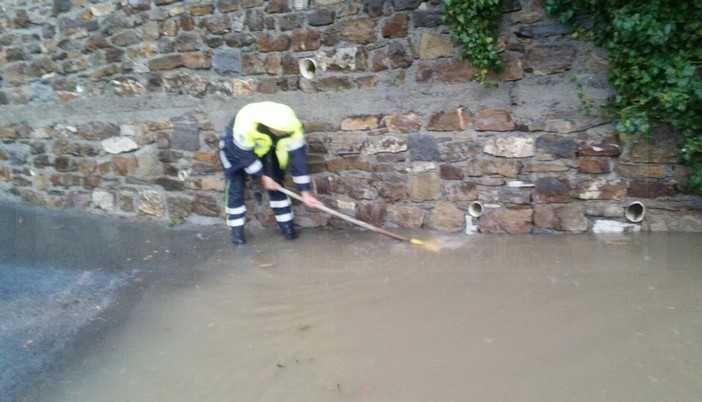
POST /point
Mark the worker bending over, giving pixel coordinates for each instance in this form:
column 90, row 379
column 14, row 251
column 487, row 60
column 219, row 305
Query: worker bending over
column 260, row 141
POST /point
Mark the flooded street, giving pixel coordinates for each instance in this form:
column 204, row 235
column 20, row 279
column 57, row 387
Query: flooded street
column 354, row 316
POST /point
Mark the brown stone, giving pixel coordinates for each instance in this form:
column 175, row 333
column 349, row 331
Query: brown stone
column 566, row 218
column 272, row 43
column 272, row 65
column 197, row 60
column 206, row 205
column 434, row 46
column 456, row 71
column 211, row 157
column 597, row 189
column 483, row 167
column 544, row 167
column 333, row 84
column 374, row 213
column 92, row 181
column 168, row 62
column 506, row 220
column 450, row 172
column 594, row 166
column 513, row 70
column 549, row 59
column 649, row 189
column 252, row 64
column 494, row 120
column 396, row 26
column 403, row 122
column 552, row 190
column 199, row 10
column 446, row 216
column 347, row 163
column 450, row 120
column 124, row 166
column 638, row 171
column 305, row 40
column 277, row 6
column 358, row 123
column 424, row 187
column 361, row 31
column 459, row 191
column 86, row 165
column 355, row 187
column 406, row 216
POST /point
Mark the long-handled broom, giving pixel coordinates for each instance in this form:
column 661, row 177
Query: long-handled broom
column 429, row 245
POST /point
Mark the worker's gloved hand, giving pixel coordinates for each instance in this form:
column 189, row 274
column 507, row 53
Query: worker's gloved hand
column 310, row 200
column 268, row 183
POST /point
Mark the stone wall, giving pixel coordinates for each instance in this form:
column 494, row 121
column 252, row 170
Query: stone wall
column 115, row 107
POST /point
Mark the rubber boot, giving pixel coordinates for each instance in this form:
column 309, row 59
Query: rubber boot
column 238, row 236
column 288, row 229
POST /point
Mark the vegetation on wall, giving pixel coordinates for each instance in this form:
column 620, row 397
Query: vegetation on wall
column 655, row 65
column 654, row 52
column 472, row 25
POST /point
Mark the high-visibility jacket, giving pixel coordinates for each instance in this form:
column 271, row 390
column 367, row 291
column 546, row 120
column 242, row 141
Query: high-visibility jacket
column 251, row 140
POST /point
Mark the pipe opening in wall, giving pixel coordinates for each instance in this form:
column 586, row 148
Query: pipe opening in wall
column 308, row 68
column 635, row 212
column 475, row 209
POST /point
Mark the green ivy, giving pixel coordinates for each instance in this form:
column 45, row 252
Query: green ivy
column 472, row 25
column 655, row 54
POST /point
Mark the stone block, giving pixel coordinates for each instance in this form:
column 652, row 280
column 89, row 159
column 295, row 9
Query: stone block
column 361, row 31
column 447, row 217
column 650, row 189
column 360, row 123
column 506, row 220
column 557, row 145
column 424, row 187
column 357, row 188
column 552, row 190
column 272, row 43
column 151, row 202
column 435, row 46
column 373, row 213
column 494, row 120
column 403, row 122
column 565, row 218
column 457, row 151
column 305, row 40
column 396, row 26
column 459, row 191
column 455, row 71
column 385, row 144
column 600, row 189
column 510, row 147
column 423, row 147
column 594, row 166
column 168, row 62
column 118, row 145
column 450, row 120
column 405, row 216
column 549, row 59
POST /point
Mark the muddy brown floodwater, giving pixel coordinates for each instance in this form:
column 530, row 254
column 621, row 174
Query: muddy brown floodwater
column 354, row 316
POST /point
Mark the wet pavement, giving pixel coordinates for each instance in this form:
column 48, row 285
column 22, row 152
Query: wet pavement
column 94, row 309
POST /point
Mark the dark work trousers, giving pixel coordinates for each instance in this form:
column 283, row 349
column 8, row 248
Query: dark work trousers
column 279, row 202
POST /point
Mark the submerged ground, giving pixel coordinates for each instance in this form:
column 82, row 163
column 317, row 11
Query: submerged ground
column 94, row 309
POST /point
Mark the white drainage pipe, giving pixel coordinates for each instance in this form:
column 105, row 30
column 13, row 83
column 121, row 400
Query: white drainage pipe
column 308, row 68
column 635, row 212
column 475, row 209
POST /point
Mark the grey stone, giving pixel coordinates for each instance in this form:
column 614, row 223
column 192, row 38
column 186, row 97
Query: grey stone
column 185, row 134
column 227, row 62
column 423, row 147
column 320, row 17
column 561, row 146
column 542, row 30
